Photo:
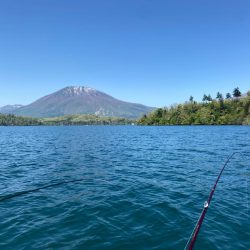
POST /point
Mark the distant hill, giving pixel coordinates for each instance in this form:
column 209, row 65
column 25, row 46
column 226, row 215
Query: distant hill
column 81, row 100
column 9, row 108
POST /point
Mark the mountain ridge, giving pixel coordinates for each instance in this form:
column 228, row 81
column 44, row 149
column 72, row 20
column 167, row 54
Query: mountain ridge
column 9, row 108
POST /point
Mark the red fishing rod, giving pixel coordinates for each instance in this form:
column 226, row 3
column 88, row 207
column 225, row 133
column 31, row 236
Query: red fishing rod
column 193, row 236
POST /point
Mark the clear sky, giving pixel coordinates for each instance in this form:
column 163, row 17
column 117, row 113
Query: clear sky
column 155, row 52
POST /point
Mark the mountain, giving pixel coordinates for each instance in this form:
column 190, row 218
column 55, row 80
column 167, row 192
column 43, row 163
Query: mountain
column 9, row 108
column 81, row 100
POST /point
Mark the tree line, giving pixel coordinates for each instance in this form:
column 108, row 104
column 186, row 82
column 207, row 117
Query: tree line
column 236, row 94
column 234, row 109
column 13, row 120
column 87, row 119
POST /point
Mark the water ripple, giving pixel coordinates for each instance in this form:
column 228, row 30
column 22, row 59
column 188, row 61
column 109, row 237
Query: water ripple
column 141, row 188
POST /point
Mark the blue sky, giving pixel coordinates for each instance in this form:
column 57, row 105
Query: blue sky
column 151, row 52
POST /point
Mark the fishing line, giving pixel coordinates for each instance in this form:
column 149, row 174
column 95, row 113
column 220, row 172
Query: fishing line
column 10, row 196
column 194, row 234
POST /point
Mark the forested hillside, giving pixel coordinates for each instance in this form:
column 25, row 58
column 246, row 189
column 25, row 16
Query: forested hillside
column 235, row 109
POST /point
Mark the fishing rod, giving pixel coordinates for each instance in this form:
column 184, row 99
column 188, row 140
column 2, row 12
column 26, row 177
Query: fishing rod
column 194, row 234
column 10, row 196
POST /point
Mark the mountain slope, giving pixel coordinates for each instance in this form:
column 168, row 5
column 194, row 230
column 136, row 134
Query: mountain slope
column 81, row 100
column 9, row 108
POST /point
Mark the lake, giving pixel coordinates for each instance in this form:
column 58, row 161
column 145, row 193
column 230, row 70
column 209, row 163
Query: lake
column 141, row 188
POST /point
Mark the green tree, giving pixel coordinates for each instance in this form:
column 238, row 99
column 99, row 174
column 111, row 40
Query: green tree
column 219, row 96
column 159, row 113
column 236, row 92
column 209, row 98
column 228, row 96
column 191, row 99
column 204, row 98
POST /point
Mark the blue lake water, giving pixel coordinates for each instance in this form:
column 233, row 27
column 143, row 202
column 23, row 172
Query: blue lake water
column 142, row 187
